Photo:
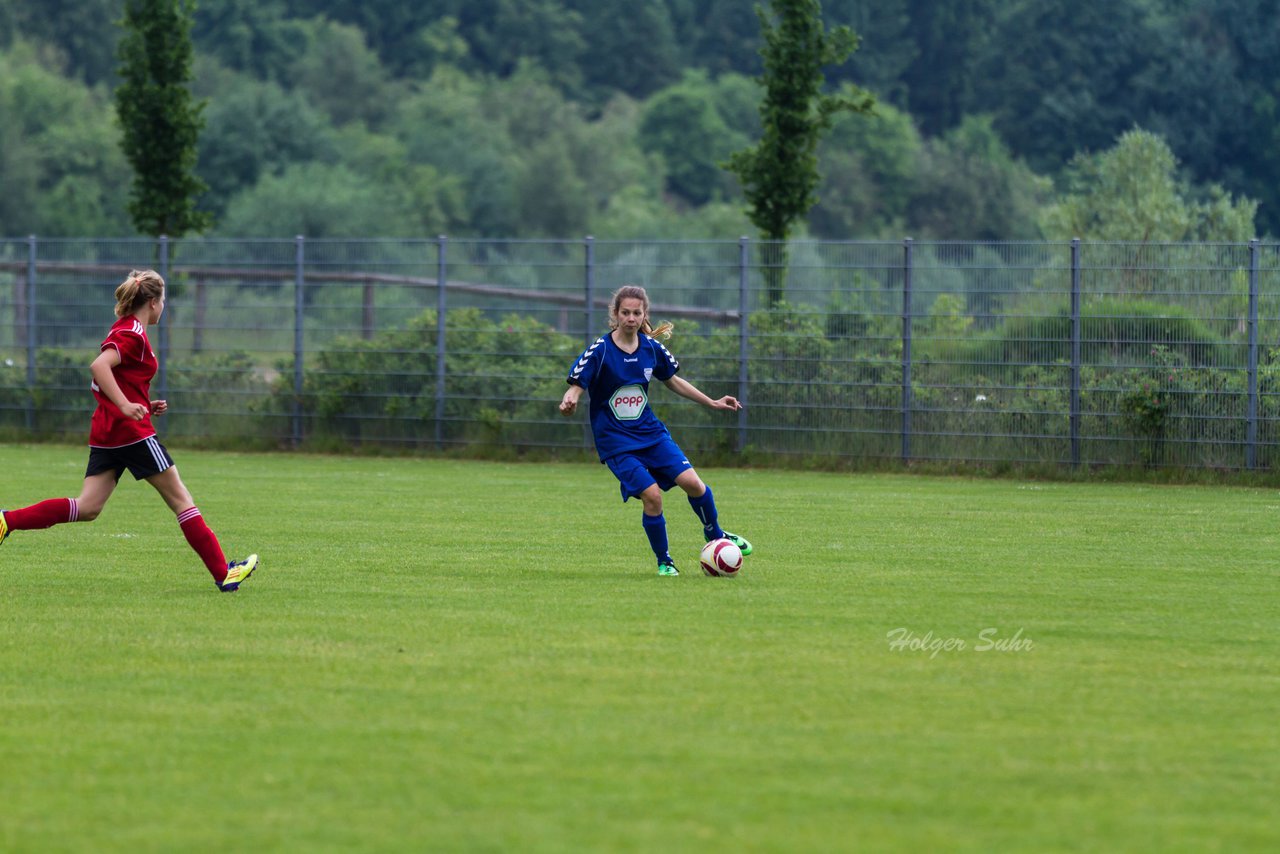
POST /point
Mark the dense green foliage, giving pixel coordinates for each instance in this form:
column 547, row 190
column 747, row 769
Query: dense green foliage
column 160, row 121
column 1132, row 192
column 61, row 167
column 779, row 173
column 567, row 117
column 1158, row 387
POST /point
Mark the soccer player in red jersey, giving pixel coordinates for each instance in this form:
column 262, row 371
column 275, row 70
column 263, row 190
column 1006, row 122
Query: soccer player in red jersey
column 121, row 436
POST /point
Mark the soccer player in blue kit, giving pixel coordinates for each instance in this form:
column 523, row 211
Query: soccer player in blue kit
column 615, row 372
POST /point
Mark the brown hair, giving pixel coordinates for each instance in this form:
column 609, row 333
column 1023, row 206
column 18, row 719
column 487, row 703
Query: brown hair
column 140, row 288
column 636, row 292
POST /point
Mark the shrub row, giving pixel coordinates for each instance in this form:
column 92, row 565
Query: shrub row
column 1157, row 389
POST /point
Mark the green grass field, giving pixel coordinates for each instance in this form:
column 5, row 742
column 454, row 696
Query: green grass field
column 445, row 655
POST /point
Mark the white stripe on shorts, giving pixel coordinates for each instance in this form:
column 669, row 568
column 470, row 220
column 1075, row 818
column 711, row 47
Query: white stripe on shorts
column 157, row 454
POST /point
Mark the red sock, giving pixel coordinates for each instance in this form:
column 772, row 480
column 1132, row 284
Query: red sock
column 204, row 542
column 46, row 514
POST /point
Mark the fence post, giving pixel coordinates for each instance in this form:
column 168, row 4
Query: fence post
column 160, row 423
column 299, row 312
column 588, row 300
column 1251, row 447
column 589, row 248
column 743, row 308
column 31, row 332
column 369, row 314
column 1074, row 415
column 202, row 311
column 906, row 349
column 441, row 306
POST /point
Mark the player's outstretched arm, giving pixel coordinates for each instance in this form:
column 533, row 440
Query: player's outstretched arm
column 686, row 389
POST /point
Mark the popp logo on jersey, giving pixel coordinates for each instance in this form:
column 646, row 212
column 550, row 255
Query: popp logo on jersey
column 628, row 402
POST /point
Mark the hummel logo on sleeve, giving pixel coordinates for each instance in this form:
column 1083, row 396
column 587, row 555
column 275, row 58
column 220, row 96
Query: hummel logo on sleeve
column 667, row 353
column 586, row 358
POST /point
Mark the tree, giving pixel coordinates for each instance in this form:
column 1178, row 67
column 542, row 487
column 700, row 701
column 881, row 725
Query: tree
column 886, row 28
column 253, row 36
column 1131, row 192
column 737, row 99
column 62, row 172
column 969, row 187
column 941, row 78
column 553, row 199
column 160, row 120
column 392, row 28
column 1212, row 93
column 342, row 76
column 235, row 154
column 447, row 124
column 80, row 30
column 779, row 174
column 683, row 126
column 319, row 201
column 504, row 34
column 628, row 46
column 723, row 36
column 1062, row 76
column 869, row 165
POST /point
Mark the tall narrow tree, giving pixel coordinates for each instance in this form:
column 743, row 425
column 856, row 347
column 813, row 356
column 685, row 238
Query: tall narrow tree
column 160, row 120
column 779, row 174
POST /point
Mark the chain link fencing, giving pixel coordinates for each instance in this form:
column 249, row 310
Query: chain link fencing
column 1070, row 354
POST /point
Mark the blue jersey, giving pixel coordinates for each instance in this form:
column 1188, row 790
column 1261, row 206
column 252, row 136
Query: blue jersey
column 618, row 384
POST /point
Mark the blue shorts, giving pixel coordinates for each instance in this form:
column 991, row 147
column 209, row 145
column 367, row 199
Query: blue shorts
column 640, row 469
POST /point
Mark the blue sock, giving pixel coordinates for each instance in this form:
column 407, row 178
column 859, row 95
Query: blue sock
column 705, row 508
column 655, row 528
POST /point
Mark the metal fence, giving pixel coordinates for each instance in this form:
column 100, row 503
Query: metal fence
column 1078, row 354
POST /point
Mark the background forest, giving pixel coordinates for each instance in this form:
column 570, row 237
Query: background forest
column 1020, row 119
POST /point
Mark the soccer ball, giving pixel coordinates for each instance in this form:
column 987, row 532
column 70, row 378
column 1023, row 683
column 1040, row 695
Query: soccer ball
column 722, row 558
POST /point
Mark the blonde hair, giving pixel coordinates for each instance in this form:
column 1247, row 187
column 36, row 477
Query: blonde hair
column 140, row 288
column 636, row 292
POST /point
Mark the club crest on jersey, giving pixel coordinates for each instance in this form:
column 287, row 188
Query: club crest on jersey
column 628, row 402
column 648, row 374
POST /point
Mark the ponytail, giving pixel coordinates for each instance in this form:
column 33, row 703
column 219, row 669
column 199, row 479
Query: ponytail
column 140, row 288
column 663, row 331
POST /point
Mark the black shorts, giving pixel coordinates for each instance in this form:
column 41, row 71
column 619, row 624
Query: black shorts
column 144, row 459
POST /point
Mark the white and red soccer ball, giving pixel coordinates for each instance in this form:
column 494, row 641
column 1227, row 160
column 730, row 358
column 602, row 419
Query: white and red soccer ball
column 721, row 558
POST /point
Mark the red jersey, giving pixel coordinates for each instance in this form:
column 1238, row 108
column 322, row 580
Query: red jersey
column 138, row 364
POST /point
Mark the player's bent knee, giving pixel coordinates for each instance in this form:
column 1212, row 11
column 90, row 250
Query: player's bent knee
column 691, row 483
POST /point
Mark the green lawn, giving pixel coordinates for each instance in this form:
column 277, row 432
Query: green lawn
column 443, row 655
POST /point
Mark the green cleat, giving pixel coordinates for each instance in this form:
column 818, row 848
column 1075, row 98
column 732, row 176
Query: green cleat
column 4, row 528
column 237, row 572
column 667, row 567
column 740, row 542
